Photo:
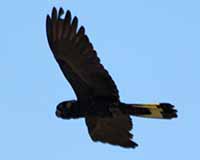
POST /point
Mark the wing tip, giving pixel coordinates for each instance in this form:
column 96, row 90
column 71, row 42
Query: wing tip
column 75, row 20
column 60, row 12
column 68, row 16
column 54, row 13
column 48, row 19
column 133, row 144
column 130, row 144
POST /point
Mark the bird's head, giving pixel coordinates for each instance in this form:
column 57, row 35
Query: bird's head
column 64, row 109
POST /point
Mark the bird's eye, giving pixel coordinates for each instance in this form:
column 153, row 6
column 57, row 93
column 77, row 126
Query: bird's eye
column 69, row 105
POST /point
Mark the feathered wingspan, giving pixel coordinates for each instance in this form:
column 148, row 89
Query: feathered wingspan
column 77, row 58
column 114, row 130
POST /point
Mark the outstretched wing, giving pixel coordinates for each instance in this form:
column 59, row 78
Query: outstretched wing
column 77, row 58
column 114, row 130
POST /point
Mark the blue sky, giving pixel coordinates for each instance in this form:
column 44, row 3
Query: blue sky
column 151, row 49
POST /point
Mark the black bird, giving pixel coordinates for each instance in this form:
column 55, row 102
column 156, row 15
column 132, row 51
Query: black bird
column 107, row 118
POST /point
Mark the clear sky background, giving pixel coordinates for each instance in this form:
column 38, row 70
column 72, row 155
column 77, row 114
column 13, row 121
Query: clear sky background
column 151, row 49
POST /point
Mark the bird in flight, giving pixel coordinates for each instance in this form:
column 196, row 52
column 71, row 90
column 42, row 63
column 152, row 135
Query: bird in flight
column 107, row 118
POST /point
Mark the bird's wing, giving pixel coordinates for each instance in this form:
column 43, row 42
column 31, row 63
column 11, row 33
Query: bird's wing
column 114, row 130
column 77, row 58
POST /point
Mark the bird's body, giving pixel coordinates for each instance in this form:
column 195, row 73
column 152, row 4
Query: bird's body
column 107, row 118
column 104, row 109
column 83, row 109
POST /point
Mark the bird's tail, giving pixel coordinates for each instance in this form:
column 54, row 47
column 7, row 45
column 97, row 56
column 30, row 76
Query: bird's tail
column 162, row 110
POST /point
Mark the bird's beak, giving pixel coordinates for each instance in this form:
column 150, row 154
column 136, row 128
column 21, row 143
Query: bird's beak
column 58, row 113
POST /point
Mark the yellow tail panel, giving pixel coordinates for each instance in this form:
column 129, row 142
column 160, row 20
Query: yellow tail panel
column 161, row 110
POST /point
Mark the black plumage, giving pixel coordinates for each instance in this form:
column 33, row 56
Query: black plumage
column 107, row 118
